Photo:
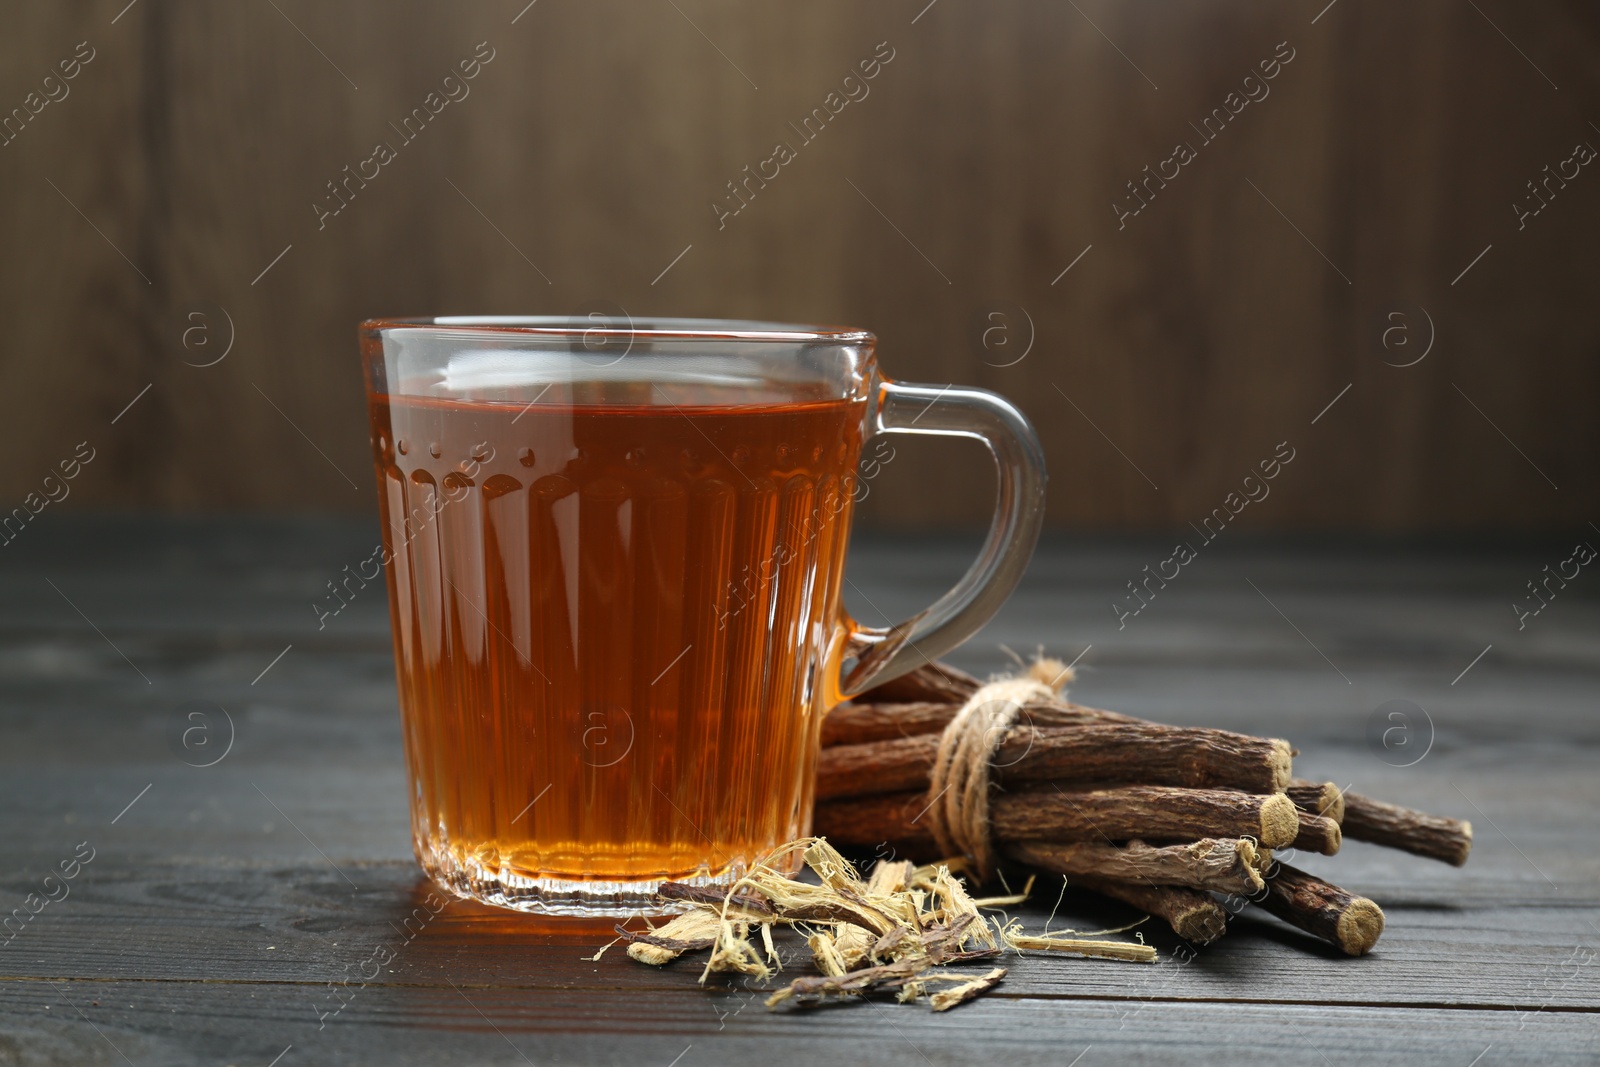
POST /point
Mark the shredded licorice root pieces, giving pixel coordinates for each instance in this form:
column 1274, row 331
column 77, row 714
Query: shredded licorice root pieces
column 689, row 932
column 946, row 999
column 895, row 931
column 1105, row 950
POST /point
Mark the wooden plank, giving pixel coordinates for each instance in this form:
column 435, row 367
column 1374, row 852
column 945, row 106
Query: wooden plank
column 208, row 926
column 286, row 922
column 185, row 1023
column 1380, row 605
column 1375, row 609
column 347, row 794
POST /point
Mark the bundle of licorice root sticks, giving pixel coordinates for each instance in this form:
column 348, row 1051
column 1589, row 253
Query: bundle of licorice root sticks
column 1179, row 822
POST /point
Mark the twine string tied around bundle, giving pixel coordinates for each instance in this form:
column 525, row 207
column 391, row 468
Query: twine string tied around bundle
column 960, row 777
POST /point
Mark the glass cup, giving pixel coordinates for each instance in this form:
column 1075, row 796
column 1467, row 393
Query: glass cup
column 614, row 559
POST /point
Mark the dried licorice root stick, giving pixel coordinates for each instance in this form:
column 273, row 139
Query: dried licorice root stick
column 934, row 682
column 1123, row 752
column 862, row 721
column 1192, row 914
column 1318, row 798
column 1132, row 812
column 1366, row 819
column 1321, row 908
column 856, row 723
column 1223, row 866
column 885, row 818
column 1145, row 812
column 1318, row 834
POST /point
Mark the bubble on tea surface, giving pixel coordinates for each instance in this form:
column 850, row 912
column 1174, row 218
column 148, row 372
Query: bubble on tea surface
column 526, row 457
column 401, row 446
column 435, row 450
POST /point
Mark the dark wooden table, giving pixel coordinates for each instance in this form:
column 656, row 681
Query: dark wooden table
column 229, row 913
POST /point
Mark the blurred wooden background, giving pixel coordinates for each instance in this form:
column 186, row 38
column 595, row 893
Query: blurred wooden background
column 1177, row 351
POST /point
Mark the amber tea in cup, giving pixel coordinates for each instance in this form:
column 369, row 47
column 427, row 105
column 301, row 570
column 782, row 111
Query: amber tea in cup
column 615, row 558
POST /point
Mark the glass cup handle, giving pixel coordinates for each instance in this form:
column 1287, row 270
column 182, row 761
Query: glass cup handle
column 953, row 411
